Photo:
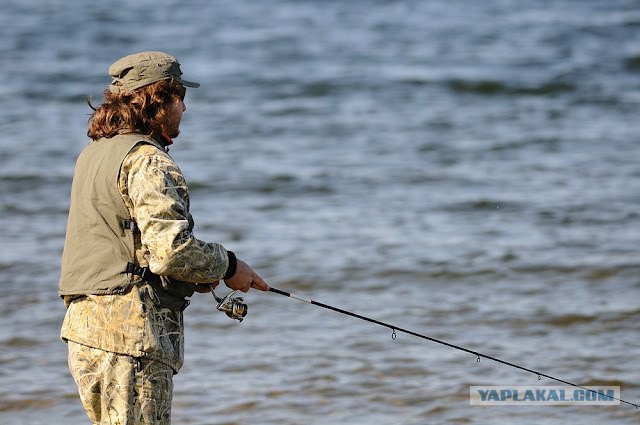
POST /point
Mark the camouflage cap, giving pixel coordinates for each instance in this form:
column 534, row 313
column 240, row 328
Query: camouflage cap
column 140, row 69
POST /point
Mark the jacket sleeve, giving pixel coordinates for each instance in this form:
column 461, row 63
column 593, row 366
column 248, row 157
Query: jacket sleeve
column 158, row 196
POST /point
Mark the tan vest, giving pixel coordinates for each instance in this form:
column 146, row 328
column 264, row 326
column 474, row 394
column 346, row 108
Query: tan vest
column 98, row 244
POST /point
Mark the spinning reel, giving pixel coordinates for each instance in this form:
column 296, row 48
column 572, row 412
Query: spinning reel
column 233, row 307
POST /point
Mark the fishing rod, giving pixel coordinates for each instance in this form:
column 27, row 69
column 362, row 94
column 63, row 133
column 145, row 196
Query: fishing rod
column 478, row 354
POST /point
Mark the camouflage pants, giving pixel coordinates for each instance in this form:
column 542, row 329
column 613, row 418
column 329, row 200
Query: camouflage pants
column 121, row 390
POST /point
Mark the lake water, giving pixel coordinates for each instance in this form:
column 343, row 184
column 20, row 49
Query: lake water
column 466, row 170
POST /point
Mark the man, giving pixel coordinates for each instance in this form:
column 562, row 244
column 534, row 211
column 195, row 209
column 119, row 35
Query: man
column 130, row 258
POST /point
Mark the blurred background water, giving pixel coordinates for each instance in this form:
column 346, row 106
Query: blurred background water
column 467, row 170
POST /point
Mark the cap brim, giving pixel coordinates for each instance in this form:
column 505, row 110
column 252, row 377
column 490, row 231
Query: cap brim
column 190, row 83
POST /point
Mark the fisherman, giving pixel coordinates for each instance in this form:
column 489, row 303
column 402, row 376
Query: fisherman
column 130, row 259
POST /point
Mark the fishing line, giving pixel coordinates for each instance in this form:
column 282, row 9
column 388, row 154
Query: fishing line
column 478, row 354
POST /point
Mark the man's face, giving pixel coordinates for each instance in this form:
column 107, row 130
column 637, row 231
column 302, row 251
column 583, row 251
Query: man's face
column 174, row 116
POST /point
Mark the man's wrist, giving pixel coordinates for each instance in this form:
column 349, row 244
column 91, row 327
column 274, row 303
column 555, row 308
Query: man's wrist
column 233, row 264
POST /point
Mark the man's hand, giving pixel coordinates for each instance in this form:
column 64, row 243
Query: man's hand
column 245, row 278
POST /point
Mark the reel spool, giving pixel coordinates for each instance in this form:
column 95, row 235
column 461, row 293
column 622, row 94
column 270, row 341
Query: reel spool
column 233, row 307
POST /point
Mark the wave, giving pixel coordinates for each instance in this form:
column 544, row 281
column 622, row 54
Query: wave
column 278, row 184
column 595, row 382
column 566, row 320
column 483, row 205
column 494, row 87
column 632, row 63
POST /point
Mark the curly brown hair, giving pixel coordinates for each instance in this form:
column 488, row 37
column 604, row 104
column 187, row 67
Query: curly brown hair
column 141, row 111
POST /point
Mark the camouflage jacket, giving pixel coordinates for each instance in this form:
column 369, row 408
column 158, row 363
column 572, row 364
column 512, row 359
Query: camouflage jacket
column 156, row 195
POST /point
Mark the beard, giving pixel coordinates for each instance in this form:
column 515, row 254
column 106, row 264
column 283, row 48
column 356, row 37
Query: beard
column 172, row 130
column 173, row 133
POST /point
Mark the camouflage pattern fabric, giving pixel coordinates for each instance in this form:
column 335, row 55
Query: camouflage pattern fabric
column 121, row 390
column 156, row 194
column 131, row 323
